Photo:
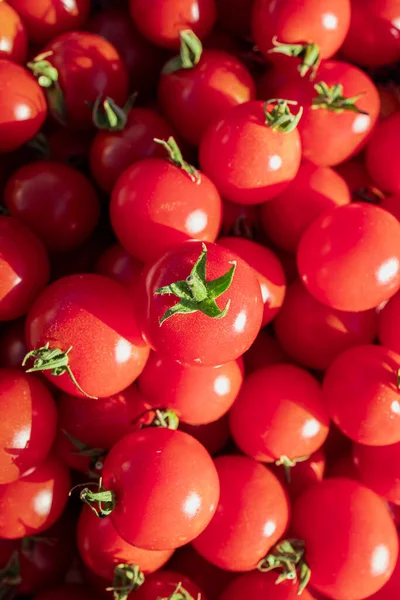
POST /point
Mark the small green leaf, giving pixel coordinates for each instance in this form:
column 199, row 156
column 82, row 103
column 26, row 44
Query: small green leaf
column 218, row 286
column 179, row 289
column 178, row 309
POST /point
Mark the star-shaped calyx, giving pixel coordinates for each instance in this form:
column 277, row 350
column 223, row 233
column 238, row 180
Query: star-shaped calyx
column 196, row 294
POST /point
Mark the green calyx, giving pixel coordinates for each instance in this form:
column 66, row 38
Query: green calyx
column 54, row 360
column 369, row 194
column 179, row 593
column 109, row 116
column 157, row 417
column 279, row 118
column 196, row 294
column 190, row 53
column 288, row 557
column 10, row 577
column 102, row 502
column 127, row 579
column 47, row 78
column 288, row 464
column 175, row 156
column 308, row 53
column 332, row 99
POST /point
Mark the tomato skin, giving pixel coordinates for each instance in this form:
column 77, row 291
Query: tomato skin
column 198, row 396
column 362, row 525
column 29, row 196
column 12, row 344
column 116, row 263
column 361, row 395
column 305, row 474
column 378, row 468
column 66, row 592
column 19, row 95
column 252, row 515
column 389, row 324
column 322, row 333
column 268, row 269
column 391, row 588
column 259, row 585
column 279, row 412
column 248, row 161
column 197, row 339
column 163, row 584
column 313, row 191
column 13, row 38
column 213, row 436
column 97, row 69
column 382, row 159
column 34, row 502
column 94, row 315
column 324, row 23
column 193, row 98
column 332, row 254
column 112, row 152
column 161, row 20
column 24, row 268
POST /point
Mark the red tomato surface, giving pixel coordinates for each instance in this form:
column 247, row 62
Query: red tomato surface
column 34, row 502
column 321, row 333
column 379, row 469
column 259, row 586
column 391, row 588
column 57, row 202
column 350, row 539
column 22, row 106
column 382, row 158
column 252, row 515
column 94, row 315
column 249, row 161
column 24, row 268
column 115, row 262
column 362, row 397
column 160, row 21
column 279, row 414
column 323, row 22
column 312, row 192
column 389, row 324
column 28, row 424
column 197, row 339
column 13, row 38
column 164, row 583
column 303, row 475
column 193, row 98
column 357, row 243
column 213, row 436
column 167, row 476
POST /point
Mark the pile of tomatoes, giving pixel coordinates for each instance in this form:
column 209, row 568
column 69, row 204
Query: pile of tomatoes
column 199, row 299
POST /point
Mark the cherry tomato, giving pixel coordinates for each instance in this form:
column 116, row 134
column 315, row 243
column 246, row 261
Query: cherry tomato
column 66, row 592
column 92, row 315
column 268, row 269
column 391, row 588
column 34, row 502
column 163, row 585
column 322, row 333
column 162, row 20
column 112, row 152
column 389, row 324
column 13, row 38
column 252, row 515
column 195, row 338
column 355, row 173
column 198, row 396
column 354, row 243
column 264, row 351
column 115, row 262
column 378, row 468
column 313, row 191
column 22, row 106
column 213, row 436
column 24, row 268
column 167, row 477
column 361, row 395
column 235, row 16
column 12, row 344
column 381, row 156
column 362, row 526
column 61, row 225
column 259, row 585
column 305, row 474
column 249, row 160
column 323, row 23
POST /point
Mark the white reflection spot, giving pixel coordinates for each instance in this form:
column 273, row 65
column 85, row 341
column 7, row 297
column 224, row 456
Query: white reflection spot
column 310, row 428
column 70, row 5
column 380, row 560
column 21, row 438
column 388, row 270
column 222, row 385
column 195, row 11
column 5, row 44
column 240, row 322
column 275, row 162
column 361, row 124
column 22, row 112
column 42, row 502
column 330, row 21
column 395, row 406
column 396, row 22
column 269, row 528
column 265, row 292
column 196, row 221
column 192, row 504
column 122, row 351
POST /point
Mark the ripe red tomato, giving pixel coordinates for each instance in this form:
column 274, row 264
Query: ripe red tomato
column 189, row 335
column 379, row 469
column 198, row 396
column 112, row 152
column 263, row 585
column 163, row 585
column 24, row 268
column 213, row 436
column 161, row 21
column 102, row 549
column 252, row 515
column 195, row 97
column 322, row 333
column 353, row 554
column 46, row 19
column 67, row 592
column 34, row 502
column 167, row 477
column 61, row 225
column 361, row 394
column 391, row 588
column 22, row 106
column 92, row 315
column 12, row 344
column 305, row 474
column 115, row 262
column 28, row 425
column 279, row 415
column 268, row 269
column 353, row 243
column 13, row 38
column 382, row 158
column 313, row 191
column 311, row 21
